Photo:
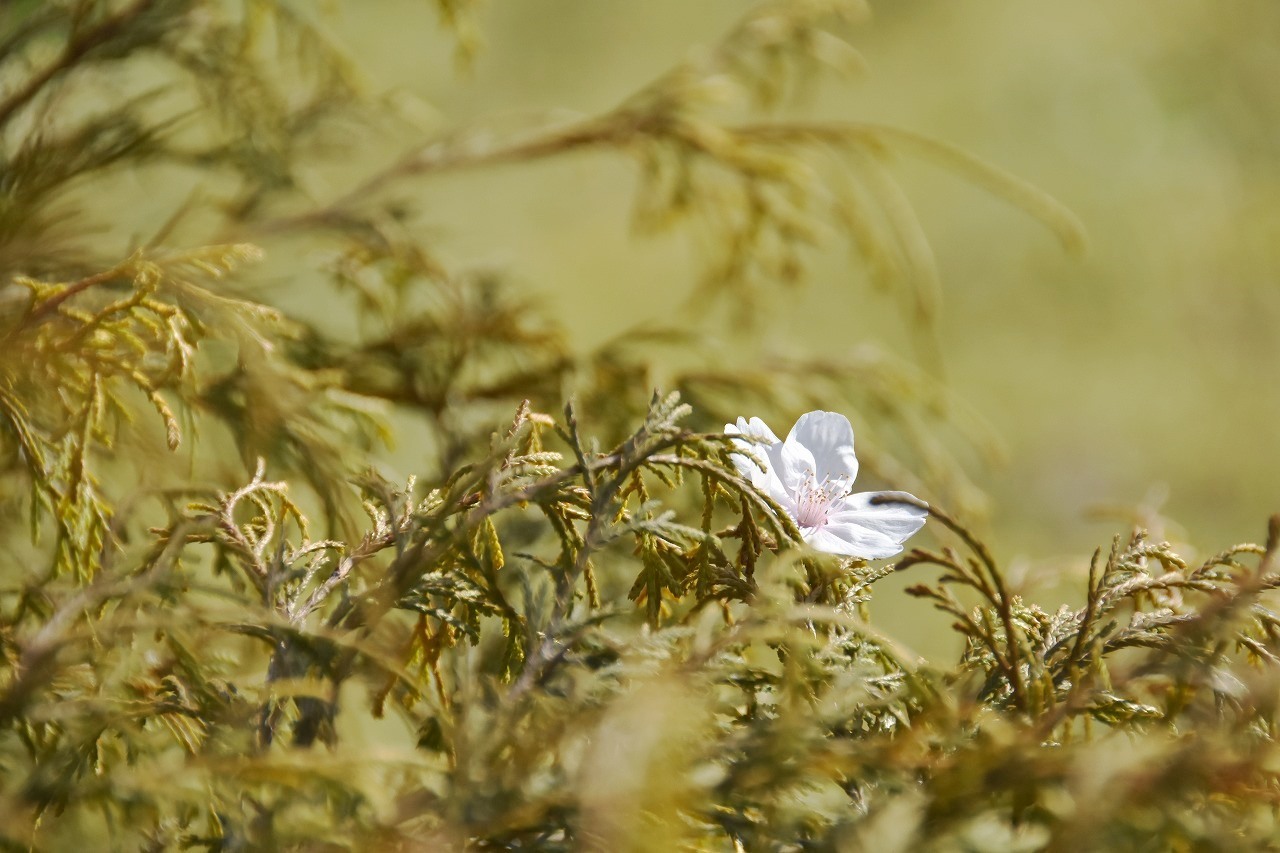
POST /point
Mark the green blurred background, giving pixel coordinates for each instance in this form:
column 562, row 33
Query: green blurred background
column 1147, row 367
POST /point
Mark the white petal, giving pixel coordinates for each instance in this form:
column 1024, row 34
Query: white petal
column 748, row 469
column 759, row 429
column 780, row 494
column 751, row 460
column 768, row 481
column 878, row 530
column 793, row 463
column 828, row 436
column 849, row 541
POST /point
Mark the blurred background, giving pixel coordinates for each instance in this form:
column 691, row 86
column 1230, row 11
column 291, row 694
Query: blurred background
column 1141, row 375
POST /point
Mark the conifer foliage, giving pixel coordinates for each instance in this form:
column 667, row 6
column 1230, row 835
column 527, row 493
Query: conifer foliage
column 226, row 624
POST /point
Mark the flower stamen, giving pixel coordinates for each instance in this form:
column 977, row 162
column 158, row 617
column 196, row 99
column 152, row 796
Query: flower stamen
column 814, row 500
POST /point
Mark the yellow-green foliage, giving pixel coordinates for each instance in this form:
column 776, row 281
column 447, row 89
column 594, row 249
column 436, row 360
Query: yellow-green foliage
column 226, row 624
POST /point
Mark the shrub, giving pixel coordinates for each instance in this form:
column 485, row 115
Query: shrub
column 573, row 630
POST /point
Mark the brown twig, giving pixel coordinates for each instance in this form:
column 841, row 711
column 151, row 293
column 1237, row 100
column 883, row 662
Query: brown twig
column 78, row 46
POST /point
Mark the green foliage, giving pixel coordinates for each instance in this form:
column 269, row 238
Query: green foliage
column 579, row 631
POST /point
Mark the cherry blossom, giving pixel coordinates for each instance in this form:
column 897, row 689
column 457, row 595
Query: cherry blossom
column 811, row 474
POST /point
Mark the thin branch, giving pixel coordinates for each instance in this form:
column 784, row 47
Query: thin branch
column 77, row 48
column 35, row 662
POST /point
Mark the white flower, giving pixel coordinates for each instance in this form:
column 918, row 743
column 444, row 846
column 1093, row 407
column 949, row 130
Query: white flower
column 810, row 475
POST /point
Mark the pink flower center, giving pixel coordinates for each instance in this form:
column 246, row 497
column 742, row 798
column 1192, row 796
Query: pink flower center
column 814, row 500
